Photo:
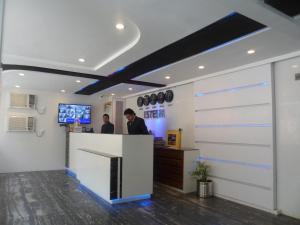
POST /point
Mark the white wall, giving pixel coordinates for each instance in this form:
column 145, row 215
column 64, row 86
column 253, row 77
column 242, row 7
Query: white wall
column 234, row 132
column 27, row 152
column 288, row 136
column 179, row 114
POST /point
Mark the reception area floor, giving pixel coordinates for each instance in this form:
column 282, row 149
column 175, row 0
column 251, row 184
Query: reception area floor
column 53, row 198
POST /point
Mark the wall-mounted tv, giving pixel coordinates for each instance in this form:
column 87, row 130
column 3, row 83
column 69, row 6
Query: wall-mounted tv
column 69, row 113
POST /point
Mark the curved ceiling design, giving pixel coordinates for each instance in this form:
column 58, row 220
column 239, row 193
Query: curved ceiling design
column 123, row 49
column 65, row 32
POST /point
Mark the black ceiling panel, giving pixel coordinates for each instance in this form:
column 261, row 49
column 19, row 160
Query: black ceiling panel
column 143, row 83
column 288, row 7
column 49, row 70
column 227, row 29
column 6, row 67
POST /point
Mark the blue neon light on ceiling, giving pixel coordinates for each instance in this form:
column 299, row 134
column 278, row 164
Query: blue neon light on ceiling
column 234, row 89
column 120, row 69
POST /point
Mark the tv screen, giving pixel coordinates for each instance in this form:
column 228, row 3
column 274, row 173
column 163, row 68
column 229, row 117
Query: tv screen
column 69, row 113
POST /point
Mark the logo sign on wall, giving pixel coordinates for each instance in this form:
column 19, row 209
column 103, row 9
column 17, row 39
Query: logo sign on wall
column 153, row 99
column 159, row 98
column 169, row 96
column 140, row 101
column 154, row 114
column 146, row 100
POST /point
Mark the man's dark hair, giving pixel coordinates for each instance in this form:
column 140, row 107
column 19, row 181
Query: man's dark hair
column 106, row 115
column 129, row 111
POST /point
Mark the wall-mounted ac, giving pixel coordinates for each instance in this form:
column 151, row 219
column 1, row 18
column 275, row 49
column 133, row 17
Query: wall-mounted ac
column 21, row 123
column 18, row 100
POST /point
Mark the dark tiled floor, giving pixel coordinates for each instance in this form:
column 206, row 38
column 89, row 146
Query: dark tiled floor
column 52, row 198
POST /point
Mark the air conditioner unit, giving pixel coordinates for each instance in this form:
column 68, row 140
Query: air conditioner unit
column 22, row 100
column 21, row 123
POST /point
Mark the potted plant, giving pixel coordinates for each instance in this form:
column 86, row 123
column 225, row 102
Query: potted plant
column 204, row 186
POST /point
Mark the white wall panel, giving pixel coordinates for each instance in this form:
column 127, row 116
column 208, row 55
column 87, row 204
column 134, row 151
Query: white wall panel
column 245, row 135
column 261, row 115
column 234, row 131
column 288, row 136
column 243, row 193
column 236, row 79
column 257, row 95
column 251, row 173
column 244, row 153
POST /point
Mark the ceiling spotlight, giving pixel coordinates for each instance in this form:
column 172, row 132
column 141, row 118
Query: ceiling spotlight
column 201, row 67
column 295, row 66
column 21, row 74
column 82, row 60
column 120, row 26
column 130, row 89
column 63, row 91
column 251, row 51
column 17, row 86
column 78, row 81
column 167, row 77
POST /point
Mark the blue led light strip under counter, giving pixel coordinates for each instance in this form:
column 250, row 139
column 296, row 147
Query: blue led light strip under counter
column 70, row 173
column 131, row 198
column 98, row 199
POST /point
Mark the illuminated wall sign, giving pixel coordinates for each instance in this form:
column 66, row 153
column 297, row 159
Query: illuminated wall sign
column 154, row 114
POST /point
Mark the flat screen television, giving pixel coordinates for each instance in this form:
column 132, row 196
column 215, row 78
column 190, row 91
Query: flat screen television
column 69, row 113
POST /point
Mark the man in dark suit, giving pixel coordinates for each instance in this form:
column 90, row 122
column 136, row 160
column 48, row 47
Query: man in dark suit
column 135, row 125
column 107, row 127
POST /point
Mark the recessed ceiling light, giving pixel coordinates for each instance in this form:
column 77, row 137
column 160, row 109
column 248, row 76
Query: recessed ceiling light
column 251, row 51
column 167, row 77
column 201, row 67
column 63, row 91
column 82, row 60
column 112, row 94
column 21, row 74
column 78, row 81
column 120, row 26
column 130, row 89
column 295, row 66
column 17, row 86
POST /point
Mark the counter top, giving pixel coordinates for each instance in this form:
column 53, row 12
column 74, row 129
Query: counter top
column 98, row 153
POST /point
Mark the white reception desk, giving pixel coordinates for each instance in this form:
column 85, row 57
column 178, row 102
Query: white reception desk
column 116, row 168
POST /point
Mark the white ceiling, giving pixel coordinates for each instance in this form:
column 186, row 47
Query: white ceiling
column 56, row 33
column 43, row 81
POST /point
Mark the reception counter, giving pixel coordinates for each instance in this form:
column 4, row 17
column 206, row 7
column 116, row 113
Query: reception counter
column 116, row 168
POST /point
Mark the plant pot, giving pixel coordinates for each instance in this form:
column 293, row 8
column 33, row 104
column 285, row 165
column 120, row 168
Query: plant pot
column 204, row 189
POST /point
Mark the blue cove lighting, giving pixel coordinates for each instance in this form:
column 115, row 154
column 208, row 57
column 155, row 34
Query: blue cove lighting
column 234, row 89
column 240, row 163
column 233, row 125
